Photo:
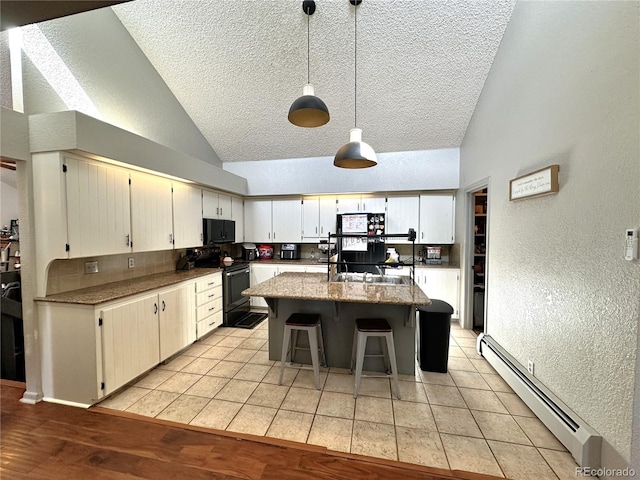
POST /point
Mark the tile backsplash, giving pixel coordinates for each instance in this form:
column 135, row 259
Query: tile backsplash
column 66, row 275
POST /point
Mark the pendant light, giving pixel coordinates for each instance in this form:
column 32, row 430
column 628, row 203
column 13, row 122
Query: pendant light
column 356, row 153
column 308, row 110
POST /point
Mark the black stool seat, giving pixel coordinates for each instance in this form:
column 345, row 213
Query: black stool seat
column 303, row 319
column 372, row 325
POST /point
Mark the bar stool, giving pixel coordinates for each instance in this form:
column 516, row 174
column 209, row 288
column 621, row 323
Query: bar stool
column 374, row 327
column 309, row 322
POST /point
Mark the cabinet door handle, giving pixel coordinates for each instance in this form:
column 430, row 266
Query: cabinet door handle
column 421, row 234
column 163, row 305
column 212, row 308
column 212, row 295
column 212, row 323
column 128, row 239
column 155, row 308
column 171, row 238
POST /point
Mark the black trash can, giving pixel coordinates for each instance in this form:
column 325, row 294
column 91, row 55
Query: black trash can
column 434, row 327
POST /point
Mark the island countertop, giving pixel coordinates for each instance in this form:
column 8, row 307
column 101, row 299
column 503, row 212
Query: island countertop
column 314, row 286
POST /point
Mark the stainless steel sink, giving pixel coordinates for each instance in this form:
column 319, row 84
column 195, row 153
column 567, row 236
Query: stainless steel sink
column 371, row 278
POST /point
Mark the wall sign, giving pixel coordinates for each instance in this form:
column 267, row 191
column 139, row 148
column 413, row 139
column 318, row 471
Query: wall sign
column 540, row 182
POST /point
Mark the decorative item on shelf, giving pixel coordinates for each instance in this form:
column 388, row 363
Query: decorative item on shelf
column 308, row 110
column 356, row 153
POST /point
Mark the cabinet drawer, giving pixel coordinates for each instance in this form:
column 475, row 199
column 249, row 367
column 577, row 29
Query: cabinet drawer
column 210, row 323
column 210, row 281
column 208, row 296
column 208, row 308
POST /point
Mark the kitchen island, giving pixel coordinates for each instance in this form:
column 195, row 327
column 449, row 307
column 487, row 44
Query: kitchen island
column 339, row 304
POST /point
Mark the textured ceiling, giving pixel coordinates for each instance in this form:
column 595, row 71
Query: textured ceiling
column 236, row 67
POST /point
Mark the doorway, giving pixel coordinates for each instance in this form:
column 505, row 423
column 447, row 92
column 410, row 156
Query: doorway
column 477, row 250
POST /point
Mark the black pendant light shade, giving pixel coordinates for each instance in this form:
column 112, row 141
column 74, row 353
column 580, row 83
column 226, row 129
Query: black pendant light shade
column 356, row 153
column 308, row 110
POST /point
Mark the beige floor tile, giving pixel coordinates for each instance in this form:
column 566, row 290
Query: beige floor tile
column 410, row 378
column 153, row 403
column 261, row 358
column 240, row 332
column 497, row 426
column 183, row 409
column 155, row 378
column 302, row 400
column 374, row 409
column 252, row 372
column 444, row 395
column 374, row 387
column 253, row 343
column 221, row 332
column 514, row 404
column 341, row 371
column 374, row 440
column 413, row 415
column 334, row 404
column 236, row 391
column 463, row 333
column 217, row 414
column 197, row 349
column 485, row 400
column 306, row 379
column 211, row 340
column 293, row 426
column 177, row 363
column 461, row 363
column 436, row 378
column 260, row 334
column 496, row 383
column 207, row 386
column 217, row 352
column 179, row 383
column 413, row 392
column 253, row 420
column 562, row 463
column 231, row 341
column 124, row 399
column 421, row 447
column 274, row 375
column 471, row 352
column 200, row 366
column 469, row 379
column 457, row 421
column 455, row 351
column 520, row 462
column 470, row 454
column 466, row 342
column 538, row 433
column 339, row 383
column 482, row 365
column 331, row 432
column 268, row 395
column 225, row 369
column 240, row 355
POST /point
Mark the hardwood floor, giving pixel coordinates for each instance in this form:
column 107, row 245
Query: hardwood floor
column 50, row 441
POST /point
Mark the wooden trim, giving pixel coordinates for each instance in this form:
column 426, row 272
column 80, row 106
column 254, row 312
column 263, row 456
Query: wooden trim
column 535, row 184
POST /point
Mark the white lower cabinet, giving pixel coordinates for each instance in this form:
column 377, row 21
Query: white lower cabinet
column 441, row 284
column 176, row 319
column 208, row 304
column 261, row 273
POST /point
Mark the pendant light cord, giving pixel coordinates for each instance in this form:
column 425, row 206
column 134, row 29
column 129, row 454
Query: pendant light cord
column 355, row 67
column 308, row 61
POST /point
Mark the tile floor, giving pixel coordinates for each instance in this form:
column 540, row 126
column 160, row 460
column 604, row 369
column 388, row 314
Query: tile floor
column 466, row 419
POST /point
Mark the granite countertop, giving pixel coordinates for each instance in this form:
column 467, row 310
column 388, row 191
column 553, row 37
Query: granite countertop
column 314, row 261
column 117, row 290
column 314, row 286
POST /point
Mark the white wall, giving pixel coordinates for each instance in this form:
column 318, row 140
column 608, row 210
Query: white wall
column 564, row 89
column 8, row 197
column 416, row 170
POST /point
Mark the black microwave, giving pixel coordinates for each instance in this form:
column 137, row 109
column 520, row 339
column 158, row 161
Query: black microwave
column 218, row 231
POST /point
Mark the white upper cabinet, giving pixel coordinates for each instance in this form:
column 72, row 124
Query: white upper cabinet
column 151, row 213
column 237, row 215
column 361, row 204
column 437, row 219
column 318, row 218
column 98, row 209
column 187, row 216
column 403, row 213
column 286, row 221
column 257, row 221
column 216, row 205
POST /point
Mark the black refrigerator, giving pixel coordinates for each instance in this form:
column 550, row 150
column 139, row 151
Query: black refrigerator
column 366, row 248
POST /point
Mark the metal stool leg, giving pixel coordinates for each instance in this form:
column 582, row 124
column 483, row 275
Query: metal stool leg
column 313, row 347
column 285, row 351
column 321, row 343
column 391, row 349
column 362, row 345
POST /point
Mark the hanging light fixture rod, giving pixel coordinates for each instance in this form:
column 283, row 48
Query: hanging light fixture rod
column 308, row 110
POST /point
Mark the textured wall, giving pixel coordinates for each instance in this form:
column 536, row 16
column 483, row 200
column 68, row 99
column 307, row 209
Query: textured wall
column 417, row 170
column 564, row 89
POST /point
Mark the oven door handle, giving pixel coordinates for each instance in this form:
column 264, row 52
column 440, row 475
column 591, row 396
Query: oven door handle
column 237, row 272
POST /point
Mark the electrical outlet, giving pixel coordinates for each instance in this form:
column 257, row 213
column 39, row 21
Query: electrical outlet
column 90, row 267
column 132, row 262
column 530, row 367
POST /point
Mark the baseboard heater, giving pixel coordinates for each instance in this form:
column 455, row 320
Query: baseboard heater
column 582, row 441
